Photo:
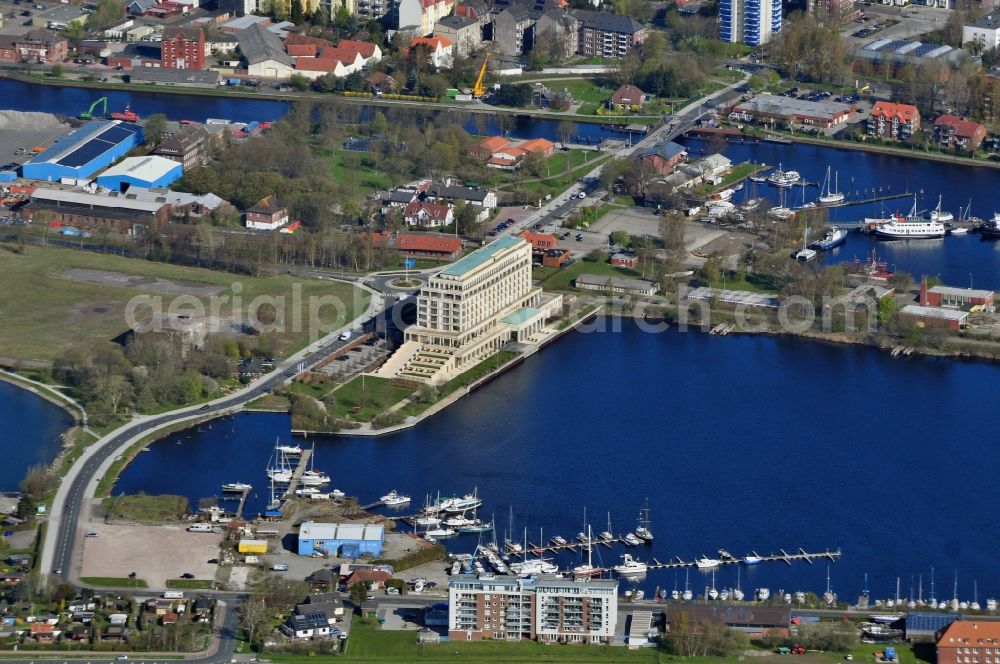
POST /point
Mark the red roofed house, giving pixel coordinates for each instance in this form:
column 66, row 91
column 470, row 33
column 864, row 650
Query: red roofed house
column 376, row 577
column 964, row 638
column 622, row 259
column 628, row 97
column 429, row 245
column 897, row 121
column 267, row 215
column 485, row 148
column 440, row 50
column 539, row 146
column 508, row 159
column 539, row 241
column 427, row 215
column 952, row 131
column 382, row 82
column 315, row 57
column 42, row 632
column 168, row 618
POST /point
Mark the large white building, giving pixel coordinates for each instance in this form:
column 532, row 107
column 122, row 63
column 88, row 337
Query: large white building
column 550, row 609
column 470, row 310
column 984, row 31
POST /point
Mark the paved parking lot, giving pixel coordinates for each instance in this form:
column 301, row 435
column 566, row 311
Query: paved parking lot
column 354, row 361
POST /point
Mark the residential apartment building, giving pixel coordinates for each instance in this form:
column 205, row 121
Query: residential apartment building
column 607, row 35
column 954, row 132
column 465, row 33
column 40, row 47
column 836, row 11
column 420, row 16
column 751, row 22
column 971, row 641
column 984, row 31
column 469, row 311
column 189, row 146
column 550, row 609
column 512, row 30
column 183, row 48
column 896, row 121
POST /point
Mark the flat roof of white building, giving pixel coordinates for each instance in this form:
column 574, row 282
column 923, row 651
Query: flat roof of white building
column 934, row 312
column 149, row 168
column 961, row 292
column 481, row 256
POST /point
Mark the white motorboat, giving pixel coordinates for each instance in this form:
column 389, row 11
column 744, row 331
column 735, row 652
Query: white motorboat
column 632, row 540
column 534, row 566
column 763, row 594
column 307, row 491
column 441, row 532
column 337, row 493
column 314, row 478
column 582, row 538
column 469, row 501
column 393, row 499
column 782, row 178
column 630, row 566
column 558, row 541
column 236, row 487
column 707, row 563
column 752, row 560
column 290, row 450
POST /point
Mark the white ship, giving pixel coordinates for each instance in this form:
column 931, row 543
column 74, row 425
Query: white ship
column 534, row 566
column 912, row 228
column 706, row 563
column 630, row 566
column 781, row 178
column 236, row 487
column 943, row 216
column 392, row 499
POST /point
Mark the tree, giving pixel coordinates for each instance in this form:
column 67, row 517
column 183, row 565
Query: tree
column 621, row 238
column 299, row 82
column 612, row 170
column 564, row 129
column 156, row 125
column 359, row 593
column 107, row 14
column 513, row 94
column 57, row 71
column 253, row 617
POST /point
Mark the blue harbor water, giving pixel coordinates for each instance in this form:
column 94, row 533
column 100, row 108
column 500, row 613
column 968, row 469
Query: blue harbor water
column 741, row 443
column 954, row 258
column 30, row 433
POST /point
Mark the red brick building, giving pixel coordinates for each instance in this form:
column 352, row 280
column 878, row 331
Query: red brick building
column 485, row 148
column 951, row 131
column 428, row 245
column 539, row 241
column 889, row 120
column 973, row 641
column 662, row 157
column 183, row 48
column 625, row 260
column 954, row 298
column 40, row 47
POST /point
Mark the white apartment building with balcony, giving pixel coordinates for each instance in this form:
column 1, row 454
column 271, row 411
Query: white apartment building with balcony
column 470, row 310
column 546, row 608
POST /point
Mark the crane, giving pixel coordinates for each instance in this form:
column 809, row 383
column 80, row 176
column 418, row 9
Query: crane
column 478, row 90
column 89, row 113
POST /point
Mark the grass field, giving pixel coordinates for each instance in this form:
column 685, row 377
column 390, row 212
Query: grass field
column 44, row 312
column 562, row 278
column 588, row 161
column 112, row 582
column 190, row 584
column 371, row 394
column 344, row 168
column 143, row 507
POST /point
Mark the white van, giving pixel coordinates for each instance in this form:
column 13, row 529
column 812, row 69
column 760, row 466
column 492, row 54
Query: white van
column 345, row 336
column 173, row 594
column 200, row 528
column 280, row 567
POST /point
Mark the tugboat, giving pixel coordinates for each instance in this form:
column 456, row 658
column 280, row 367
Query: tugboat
column 834, row 237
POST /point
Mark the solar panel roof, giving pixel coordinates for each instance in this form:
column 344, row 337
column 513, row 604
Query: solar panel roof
column 98, row 145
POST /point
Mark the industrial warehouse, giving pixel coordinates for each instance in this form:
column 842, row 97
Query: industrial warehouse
column 147, row 172
column 346, row 540
column 84, row 151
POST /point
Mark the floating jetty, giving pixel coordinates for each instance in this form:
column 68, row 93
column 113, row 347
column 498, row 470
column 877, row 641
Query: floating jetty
column 300, row 468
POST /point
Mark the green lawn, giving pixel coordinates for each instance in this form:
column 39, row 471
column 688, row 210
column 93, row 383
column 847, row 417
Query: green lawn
column 44, row 311
column 191, row 584
column 367, row 643
column 112, row 582
column 143, row 507
column 562, row 278
column 588, row 160
column 371, row 394
column 358, row 168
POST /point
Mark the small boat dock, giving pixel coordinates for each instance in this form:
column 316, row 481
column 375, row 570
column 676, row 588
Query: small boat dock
column 300, row 468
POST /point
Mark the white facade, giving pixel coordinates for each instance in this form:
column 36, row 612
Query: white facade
column 270, row 69
column 985, row 32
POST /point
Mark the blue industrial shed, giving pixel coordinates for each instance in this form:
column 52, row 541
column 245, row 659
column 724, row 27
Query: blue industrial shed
column 345, row 540
column 84, row 151
column 146, row 172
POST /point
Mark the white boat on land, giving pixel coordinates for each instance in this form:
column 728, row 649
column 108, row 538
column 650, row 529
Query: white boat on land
column 393, row 499
column 707, row 563
column 828, row 196
column 630, row 566
column 805, row 254
column 236, row 487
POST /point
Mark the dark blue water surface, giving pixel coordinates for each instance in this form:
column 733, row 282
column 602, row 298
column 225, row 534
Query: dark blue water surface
column 954, row 258
column 742, row 443
column 29, row 435
column 20, row 96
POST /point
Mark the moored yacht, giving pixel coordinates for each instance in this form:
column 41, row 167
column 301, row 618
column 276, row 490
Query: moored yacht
column 943, row 216
column 782, row 178
column 236, row 487
column 707, row 563
column 393, row 499
column 630, row 566
column 834, row 237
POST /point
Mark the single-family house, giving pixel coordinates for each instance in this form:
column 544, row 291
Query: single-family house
column 309, row 626
column 428, row 215
column 440, row 50
column 382, row 82
column 266, row 215
column 377, row 578
column 623, row 259
column 250, row 369
column 628, row 98
column 43, row 632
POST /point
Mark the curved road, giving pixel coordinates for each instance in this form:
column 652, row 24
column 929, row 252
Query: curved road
column 79, row 483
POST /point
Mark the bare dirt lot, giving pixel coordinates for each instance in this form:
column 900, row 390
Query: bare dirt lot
column 153, row 284
column 154, row 553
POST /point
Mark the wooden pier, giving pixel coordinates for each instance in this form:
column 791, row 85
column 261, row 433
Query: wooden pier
column 243, row 501
column 297, row 473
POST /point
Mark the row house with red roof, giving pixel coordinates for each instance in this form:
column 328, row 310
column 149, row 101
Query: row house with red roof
column 954, row 132
column 895, row 121
column 315, row 57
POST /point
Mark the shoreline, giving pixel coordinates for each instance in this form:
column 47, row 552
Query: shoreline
column 225, row 92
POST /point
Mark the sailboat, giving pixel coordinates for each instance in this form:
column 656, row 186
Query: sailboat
column 781, row 212
column 712, row 593
column 939, row 215
column 828, row 196
column 687, row 595
column 606, row 535
column 643, row 532
column 273, row 505
column 587, row 569
column 738, row 590
column 675, row 594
